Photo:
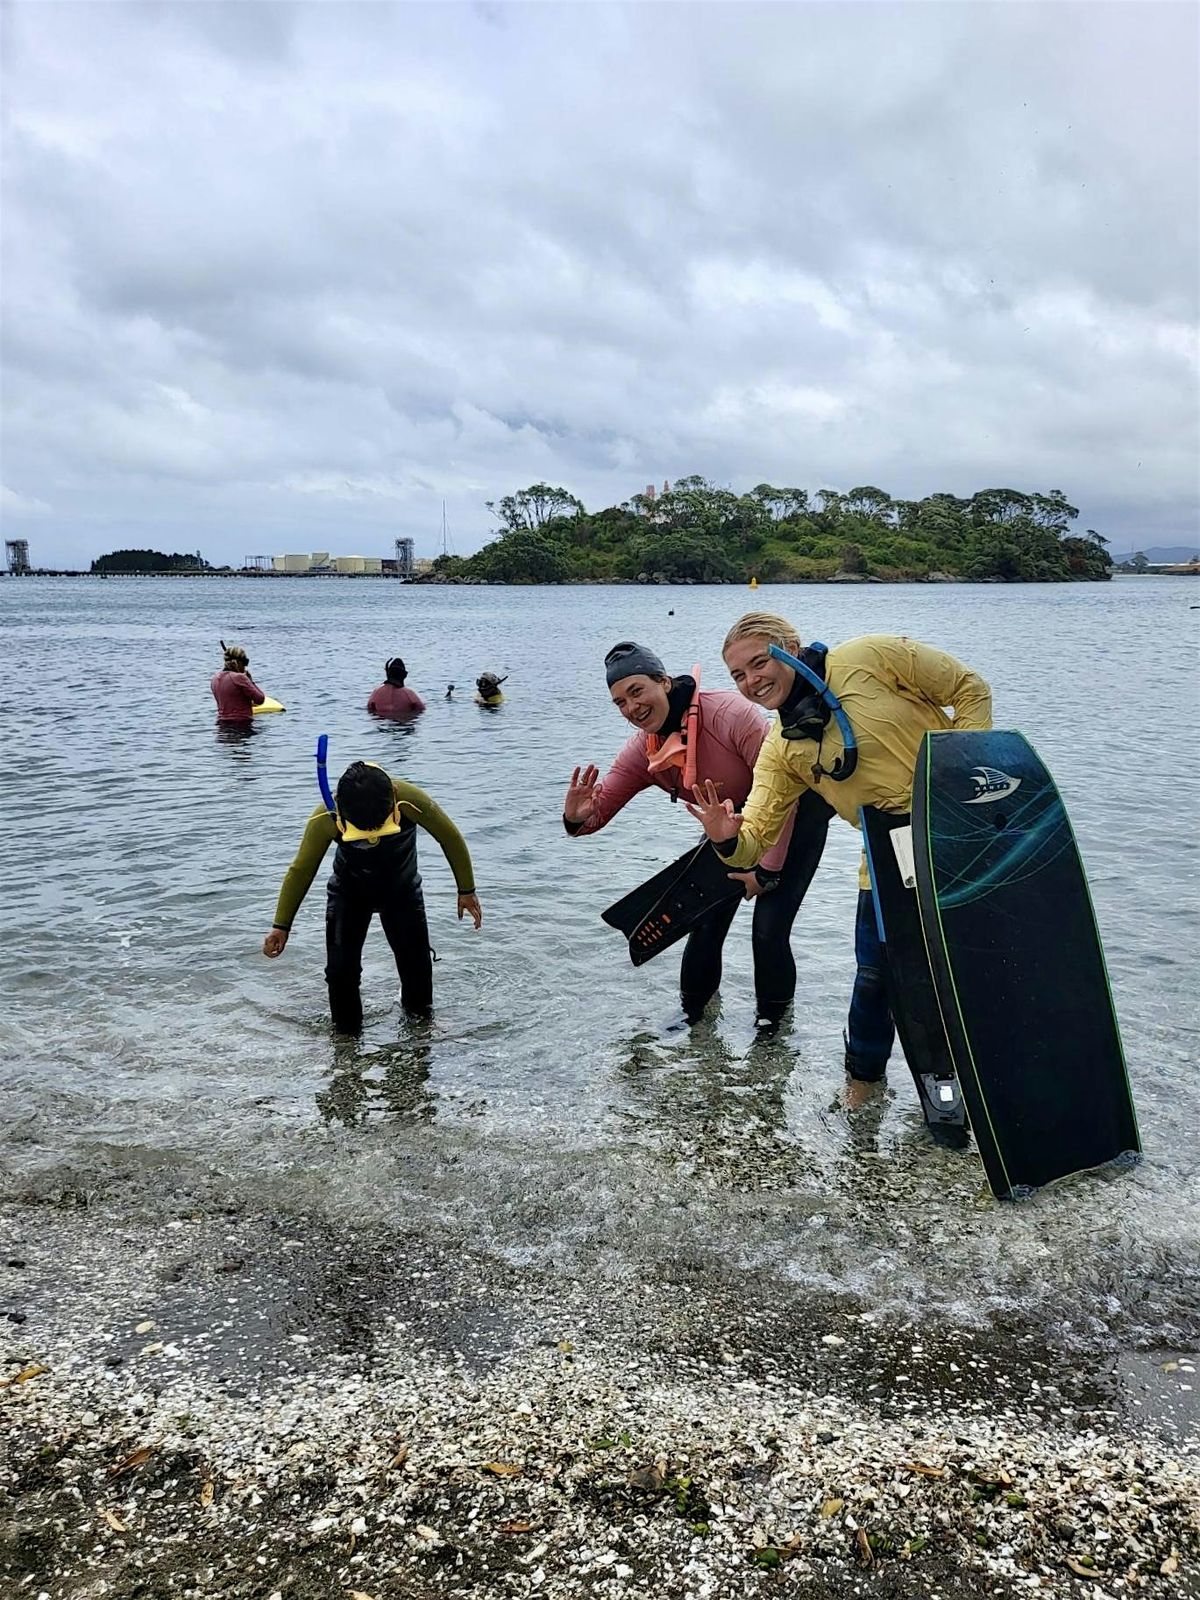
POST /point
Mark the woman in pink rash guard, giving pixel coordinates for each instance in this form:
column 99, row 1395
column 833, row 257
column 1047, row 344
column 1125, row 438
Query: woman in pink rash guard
column 730, row 734
column 234, row 690
column 392, row 699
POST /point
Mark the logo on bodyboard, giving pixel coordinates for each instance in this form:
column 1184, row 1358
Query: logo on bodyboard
column 989, row 783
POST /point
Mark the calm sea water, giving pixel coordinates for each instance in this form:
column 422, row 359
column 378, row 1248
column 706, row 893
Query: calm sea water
column 147, row 1045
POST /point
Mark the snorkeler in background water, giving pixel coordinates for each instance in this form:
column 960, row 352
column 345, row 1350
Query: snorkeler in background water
column 393, row 698
column 487, row 686
column 234, row 690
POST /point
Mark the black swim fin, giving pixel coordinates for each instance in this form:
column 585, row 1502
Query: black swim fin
column 626, row 913
column 667, row 906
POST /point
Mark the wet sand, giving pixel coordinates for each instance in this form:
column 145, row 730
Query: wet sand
column 247, row 1404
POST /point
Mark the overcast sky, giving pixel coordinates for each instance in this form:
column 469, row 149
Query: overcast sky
column 284, row 277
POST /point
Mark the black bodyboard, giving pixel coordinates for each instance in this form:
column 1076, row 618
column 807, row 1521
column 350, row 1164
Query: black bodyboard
column 1017, row 961
column 911, row 992
column 667, row 906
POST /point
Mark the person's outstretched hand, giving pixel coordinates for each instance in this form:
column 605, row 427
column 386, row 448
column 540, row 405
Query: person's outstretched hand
column 274, row 942
column 716, row 816
column 468, row 906
column 581, row 794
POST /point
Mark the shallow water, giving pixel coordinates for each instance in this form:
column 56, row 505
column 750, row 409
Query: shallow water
column 546, row 1116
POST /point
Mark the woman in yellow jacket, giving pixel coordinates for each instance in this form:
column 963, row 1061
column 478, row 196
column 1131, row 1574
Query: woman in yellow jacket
column 893, row 690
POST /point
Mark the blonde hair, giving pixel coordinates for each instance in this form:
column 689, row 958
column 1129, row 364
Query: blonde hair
column 764, row 625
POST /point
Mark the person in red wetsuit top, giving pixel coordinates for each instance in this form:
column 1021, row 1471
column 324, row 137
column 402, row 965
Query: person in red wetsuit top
column 234, row 690
column 392, row 698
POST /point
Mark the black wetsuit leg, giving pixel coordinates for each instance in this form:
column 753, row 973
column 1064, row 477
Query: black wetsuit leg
column 870, row 1031
column 700, row 973
column 383, row 879
column 402, row 914
column 347, row 918
column 774, row 913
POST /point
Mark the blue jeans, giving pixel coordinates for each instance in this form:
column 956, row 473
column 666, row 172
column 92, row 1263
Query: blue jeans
column 870, row 1032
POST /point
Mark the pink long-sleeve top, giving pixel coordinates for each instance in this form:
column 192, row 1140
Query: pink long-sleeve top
column 731, row 735
column 236, row 694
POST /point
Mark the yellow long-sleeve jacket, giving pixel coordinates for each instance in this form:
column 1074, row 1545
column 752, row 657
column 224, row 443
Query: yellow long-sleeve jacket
column 894, row 690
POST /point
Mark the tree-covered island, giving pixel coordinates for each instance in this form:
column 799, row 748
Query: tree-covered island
column 142, row 561
column 696, row 531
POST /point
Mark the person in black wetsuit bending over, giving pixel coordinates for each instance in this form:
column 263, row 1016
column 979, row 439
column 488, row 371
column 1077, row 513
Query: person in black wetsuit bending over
column 374, row 870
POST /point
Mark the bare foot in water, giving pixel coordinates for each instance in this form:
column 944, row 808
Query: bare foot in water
column 858, row 1093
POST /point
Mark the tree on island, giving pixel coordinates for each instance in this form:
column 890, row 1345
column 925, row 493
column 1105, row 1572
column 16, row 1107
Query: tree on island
column 149, row 561
column 522, row 555
column 534, row 507
column 781, row 503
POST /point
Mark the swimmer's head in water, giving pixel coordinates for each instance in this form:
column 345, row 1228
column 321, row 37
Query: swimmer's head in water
column 395, row 672
column 488, row 683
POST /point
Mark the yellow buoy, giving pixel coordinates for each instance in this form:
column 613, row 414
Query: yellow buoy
column 754, row 583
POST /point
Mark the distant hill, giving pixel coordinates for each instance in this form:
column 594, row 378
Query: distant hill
column 1164, row 554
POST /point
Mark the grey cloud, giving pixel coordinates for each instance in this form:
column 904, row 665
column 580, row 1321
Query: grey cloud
column 245, row 32
column 279, row 267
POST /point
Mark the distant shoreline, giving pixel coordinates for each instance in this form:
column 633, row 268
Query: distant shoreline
column 1190, row 570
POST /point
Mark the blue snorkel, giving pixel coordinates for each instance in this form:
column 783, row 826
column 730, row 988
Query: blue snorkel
column 323, row 776
column 845, row 764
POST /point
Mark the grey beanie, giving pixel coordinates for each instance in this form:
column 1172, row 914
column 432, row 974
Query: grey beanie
column 626, row 659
